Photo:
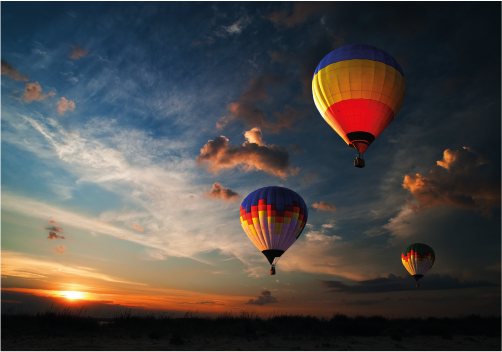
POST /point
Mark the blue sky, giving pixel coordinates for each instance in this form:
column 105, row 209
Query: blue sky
column 127, row 94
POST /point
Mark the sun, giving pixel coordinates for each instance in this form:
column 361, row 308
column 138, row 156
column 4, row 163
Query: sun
column 72, row 294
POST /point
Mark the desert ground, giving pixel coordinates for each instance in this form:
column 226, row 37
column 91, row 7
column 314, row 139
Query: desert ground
column 261, row 342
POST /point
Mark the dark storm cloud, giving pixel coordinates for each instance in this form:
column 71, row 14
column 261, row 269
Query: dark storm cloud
column 54, row 236
column 219, row 154
column 264, row 298
column 10, row 71
column 463, row 179
column 393, row 283
column 223, row 193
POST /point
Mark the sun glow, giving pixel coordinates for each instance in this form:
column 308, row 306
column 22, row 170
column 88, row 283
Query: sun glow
column 72, row 294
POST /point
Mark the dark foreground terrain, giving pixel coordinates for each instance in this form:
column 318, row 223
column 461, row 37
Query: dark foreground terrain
column 74, row 330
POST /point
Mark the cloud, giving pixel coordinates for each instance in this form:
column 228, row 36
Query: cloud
column 393, row 283
column 235, row 28
column 10, row 71
column 220, row 192
column 309, row 178
column 53, row 222
column 222, row 122
column 54, row 228
column 219, row 154
column 65, row 105
column 33, row 91
column 59, row 249
column 266, row 297
column 325, row 206
column 139, row 228
column 296, row 149
column 77, row 52
column 53, row 236
column 301, row 12
column 246, row 110
column 463, row 179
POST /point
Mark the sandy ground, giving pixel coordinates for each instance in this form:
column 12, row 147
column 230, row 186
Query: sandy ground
column 271, row 343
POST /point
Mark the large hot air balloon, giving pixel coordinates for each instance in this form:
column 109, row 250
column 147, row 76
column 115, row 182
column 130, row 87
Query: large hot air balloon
column 359, row 90
column 418, row 258
column 273, row 218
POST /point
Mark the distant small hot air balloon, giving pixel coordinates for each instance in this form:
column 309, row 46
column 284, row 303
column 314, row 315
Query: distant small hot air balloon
column 359, row 90
column 418, row 258
column 273, row 218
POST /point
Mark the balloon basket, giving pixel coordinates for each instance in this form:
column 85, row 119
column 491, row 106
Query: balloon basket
column 359, row 162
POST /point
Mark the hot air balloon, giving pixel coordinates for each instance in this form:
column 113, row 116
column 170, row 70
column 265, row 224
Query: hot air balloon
column 273, row 218
column 418, row 258
column 359, row 90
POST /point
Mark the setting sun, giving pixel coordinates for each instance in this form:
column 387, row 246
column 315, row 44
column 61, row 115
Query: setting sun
column 72, row 294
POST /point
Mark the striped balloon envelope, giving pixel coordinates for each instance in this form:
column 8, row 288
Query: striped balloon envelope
column 273, row 218
column 418, row 258
column 359, row 90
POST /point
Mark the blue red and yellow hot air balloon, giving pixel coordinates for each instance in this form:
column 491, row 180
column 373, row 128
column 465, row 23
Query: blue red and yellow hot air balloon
column 418, row 258
column 273, row 218
column 359, row 90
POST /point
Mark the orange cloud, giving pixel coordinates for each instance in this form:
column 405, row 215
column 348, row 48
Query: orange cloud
column 463, row 179
column 58, row 249
column 33, row 91
column 139, row 228
column 10, row 71
column 220, row 192
column 77, row 52
column 54, row 236
column 301, row 12
column 55, row 228
column 325, row 206
column 219, row 154
column 222, row 122
column 65, row 105
column 53, row 222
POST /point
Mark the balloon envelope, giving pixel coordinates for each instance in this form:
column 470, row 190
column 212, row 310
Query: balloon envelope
column 359, row 90
column 273, row 218
column 418, row 258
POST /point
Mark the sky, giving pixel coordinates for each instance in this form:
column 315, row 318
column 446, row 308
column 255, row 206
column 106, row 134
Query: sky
column 113, row 196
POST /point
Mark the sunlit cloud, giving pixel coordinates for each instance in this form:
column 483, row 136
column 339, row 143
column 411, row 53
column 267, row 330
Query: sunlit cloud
column 33, row 92
column 65, row 105
column 54, row 236
column 30, row 267
column 54, row 228
column 223, row 193
column 77, row 52
column 220, row 154
column 9, row 71
column 325, row 206
column 59, row 249
column 139, row 228
column 463, row 179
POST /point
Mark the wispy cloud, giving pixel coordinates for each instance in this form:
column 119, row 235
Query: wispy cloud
column 59, row 249
column 301, row 12
column 10, row 71
column 139, row 228
column 309, row 178
column 54, row 236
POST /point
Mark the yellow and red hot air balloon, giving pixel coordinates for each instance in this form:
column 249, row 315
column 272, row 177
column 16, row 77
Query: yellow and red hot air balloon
column 418, row 258
column 273, row 218
column 359, row 90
